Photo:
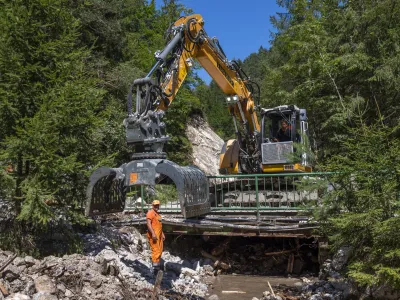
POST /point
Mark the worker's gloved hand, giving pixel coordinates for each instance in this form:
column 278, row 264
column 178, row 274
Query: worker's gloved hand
column 154, row 237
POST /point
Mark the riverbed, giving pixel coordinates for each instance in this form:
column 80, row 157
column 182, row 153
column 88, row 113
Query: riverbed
column 238, row 287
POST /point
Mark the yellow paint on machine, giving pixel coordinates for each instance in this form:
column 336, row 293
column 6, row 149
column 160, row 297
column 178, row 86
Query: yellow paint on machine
column 280, row 168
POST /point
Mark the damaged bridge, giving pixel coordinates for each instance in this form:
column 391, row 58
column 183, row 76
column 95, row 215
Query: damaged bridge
column 263, row 205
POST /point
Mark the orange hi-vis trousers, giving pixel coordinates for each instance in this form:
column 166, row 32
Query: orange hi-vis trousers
column 156, row 246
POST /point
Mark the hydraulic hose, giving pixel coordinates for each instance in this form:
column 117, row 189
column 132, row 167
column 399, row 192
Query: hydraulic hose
column 193, row 39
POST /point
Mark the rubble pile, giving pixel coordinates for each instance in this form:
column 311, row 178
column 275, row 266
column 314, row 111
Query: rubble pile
column 315, row 290
column 330, row 284
column 115, row 265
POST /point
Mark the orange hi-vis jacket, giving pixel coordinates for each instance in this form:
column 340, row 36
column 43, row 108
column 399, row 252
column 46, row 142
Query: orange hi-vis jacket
column 156, row 246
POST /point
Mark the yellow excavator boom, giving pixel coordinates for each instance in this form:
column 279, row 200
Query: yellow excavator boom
column 189, row 42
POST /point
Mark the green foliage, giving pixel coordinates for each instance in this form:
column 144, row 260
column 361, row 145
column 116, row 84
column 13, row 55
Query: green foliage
column 163, row 192
column 215, row 110
column 339, row 60
column 34, row 207
column 362, row 210
column 55, row 104
column 7, row 185
column 65, row 69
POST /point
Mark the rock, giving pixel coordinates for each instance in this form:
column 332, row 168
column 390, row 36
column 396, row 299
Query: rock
column 186, row 264
column 44, row 296
column 29, row 260
column 61, row 288
column 316, row 297
column 18, row 296
column 22, row 269
column 208, row 262
column 68, row 293
column 206, row 145
column 328, row 287
column 196, row 266
column 17, row 286
column 266, row 294
column 208, row 269
column 174, row 267
column 341, row 257
column 29, row 287
column 339, row 285
column 298, row 285
column 254, row 298
column 87, row 290
column 113, row 270
column 96, row 282
column 11, row 273
column 109, row 255
column 213, row 297
column 45, row 285
column 59, row 271
column 104, row 266
column 188, row 272
column 18, row 261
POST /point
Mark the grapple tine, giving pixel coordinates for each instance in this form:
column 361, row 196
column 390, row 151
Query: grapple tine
column 192, row 187
column 106, row 192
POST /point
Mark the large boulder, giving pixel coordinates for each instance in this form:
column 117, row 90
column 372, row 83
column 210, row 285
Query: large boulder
column 341, row 257
column 45, row 284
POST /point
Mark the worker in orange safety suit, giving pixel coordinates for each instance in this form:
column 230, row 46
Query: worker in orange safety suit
column 155, row 235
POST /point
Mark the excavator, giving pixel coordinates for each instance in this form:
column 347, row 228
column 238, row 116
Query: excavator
column 255, row 150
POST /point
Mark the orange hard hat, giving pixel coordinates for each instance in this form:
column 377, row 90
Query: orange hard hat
column 156, row 202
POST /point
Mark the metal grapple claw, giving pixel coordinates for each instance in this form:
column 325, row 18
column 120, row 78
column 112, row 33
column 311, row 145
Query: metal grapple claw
column 106, row 192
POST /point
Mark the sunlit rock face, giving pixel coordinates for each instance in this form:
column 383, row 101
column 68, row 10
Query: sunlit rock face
column 206, row 145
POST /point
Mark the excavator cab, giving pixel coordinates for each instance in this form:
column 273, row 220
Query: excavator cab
column 278, row 140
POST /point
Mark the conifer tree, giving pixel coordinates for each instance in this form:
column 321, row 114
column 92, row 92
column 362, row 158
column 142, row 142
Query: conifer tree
column 49, row 107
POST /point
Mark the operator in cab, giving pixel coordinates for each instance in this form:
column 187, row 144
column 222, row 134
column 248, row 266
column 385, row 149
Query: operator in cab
column 284, row 133
column 155, row 235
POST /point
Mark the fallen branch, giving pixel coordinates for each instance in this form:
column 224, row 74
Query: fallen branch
column 290, row 264
column 3, row 290
column 157, row 284
column 233, row 292
column 270, row 287
column 219, row 263
column 9, row 261
column 279, row 252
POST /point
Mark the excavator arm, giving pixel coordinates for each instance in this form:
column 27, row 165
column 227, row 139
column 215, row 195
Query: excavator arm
column 188, row 42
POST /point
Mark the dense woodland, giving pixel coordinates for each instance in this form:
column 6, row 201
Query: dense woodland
column 66, row 67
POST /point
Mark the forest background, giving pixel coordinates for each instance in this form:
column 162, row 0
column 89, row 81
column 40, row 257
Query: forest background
column 66, row 67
